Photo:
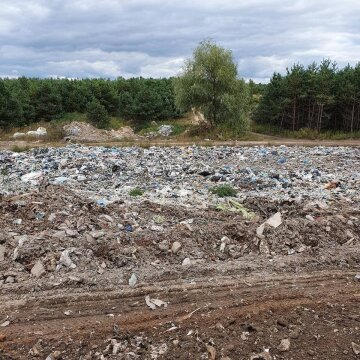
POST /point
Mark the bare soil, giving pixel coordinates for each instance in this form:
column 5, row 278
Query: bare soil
column 297, row 299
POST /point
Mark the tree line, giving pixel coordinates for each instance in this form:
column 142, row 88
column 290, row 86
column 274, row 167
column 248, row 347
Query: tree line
column 27, row 100
column 319, row 97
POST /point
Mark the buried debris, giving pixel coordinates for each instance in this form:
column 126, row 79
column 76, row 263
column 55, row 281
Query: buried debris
column 153, row 303
column 274, row 221
column 234, row 206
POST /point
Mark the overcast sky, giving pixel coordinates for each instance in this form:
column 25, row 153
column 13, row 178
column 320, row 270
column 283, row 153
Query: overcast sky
column 111, row 38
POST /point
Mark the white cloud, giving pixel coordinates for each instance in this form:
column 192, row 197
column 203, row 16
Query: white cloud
column 110, row 38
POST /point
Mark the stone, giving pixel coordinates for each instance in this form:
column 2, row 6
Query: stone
column 357, row 277
column 66, row 260
column 265, row 355
column 284, row 345
column 176, row 246
column 186, row 262
column 38, row 269
column 10, row 280
column 164, row 245
column 133, row 280
column 274, row 221
column 356, row 348
column 2, row 253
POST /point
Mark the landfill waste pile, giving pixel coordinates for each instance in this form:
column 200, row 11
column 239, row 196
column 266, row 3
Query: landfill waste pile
column 81, row 131
column 40, row 132
column 180, row 253
column 163, row 130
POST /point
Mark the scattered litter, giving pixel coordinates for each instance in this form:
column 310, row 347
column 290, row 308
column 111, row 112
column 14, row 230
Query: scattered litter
column 153, row 303
column 133, row 280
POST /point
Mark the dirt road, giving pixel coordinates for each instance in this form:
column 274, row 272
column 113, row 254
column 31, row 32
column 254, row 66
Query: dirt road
column 270, row 140
column 231, row 315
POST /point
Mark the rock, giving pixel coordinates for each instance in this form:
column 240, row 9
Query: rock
column 66, row 260
column 31, row 177
column 41, row 131
column 265, row 355
column 164, row 245
column 2, row 253
column 282, row 322
column 18, row 135
column 38, row 269
column 176, row 246
column 60, row 180
column 274, row 221
column 133, row 280
column 165, row 130
column 284, row 345
column 10, row 280
column 355, row 348
column 357, row 277
column 309, row 217
column 5, row 323
column 156, row 228
column 224, row 241
column 97, row 234
column 186, row 262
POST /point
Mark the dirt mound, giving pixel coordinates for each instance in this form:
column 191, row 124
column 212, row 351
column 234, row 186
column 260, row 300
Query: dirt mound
column 86, row 132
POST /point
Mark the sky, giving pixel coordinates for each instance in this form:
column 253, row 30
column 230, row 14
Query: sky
column 152, row 38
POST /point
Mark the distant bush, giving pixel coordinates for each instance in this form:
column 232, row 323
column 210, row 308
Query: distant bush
column 97, row 115
column 223, row 190
column 19, row 149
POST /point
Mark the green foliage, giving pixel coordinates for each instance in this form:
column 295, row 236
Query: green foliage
column 304, row 133
column 24, row 101
column 136, row 192
column 209, row 83
column 19, row 149
column 97, row 115
column 223, row 190
column 319, row 97
column 144, row 100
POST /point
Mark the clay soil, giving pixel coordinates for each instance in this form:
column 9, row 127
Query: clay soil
column 240, row 303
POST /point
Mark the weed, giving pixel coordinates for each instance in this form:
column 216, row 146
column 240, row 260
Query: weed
column 136, row 192
column 223, row 190
column 4, row 172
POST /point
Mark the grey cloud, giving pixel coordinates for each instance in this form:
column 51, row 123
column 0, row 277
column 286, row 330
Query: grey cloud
column 109, row 38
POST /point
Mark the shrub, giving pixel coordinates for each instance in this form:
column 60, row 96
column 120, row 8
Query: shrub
column 223, row 190
column 97, row 115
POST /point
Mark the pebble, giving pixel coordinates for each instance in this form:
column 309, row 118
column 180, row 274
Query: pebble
column 176, row 246
column 356, row 348
column 133, row 280
column 186, row 262
column 2, row 253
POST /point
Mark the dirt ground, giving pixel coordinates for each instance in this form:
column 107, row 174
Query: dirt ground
column 291, row 293
column 268, row 140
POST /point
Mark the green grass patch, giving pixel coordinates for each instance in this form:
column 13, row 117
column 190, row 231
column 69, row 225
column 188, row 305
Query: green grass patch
column 223, row 191
column 304, row 133
column 136, row 192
